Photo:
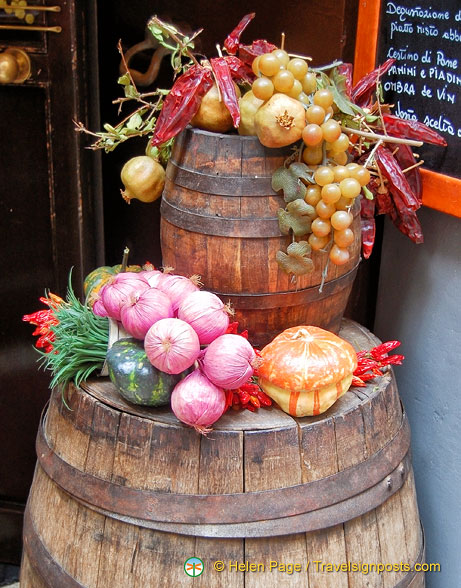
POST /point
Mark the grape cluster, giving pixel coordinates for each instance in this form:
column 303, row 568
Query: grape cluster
column 325, row 150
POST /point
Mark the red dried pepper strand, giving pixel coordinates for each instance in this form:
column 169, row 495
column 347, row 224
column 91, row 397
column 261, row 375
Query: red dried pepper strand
column 368, row 226
column 226, row 87
column 345, row 69
column 407, row 222
column 381, row 351
column 411, row 129
column 233, row 39
column 395, row 359
column 247, row 53
column 182, row 103
column 363, row 89
column 397, row 182
column 405, row 158
column 241, row 72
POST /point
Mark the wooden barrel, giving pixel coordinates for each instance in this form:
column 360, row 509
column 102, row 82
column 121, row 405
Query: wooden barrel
column 123, row 496
column 219, row 220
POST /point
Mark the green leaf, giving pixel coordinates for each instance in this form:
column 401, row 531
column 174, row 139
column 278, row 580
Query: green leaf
column 296, row 260
column 131, row 92
column 293, row 188
column 303, row 171
column 134, row 122
column 124, row 80
column 297, row 216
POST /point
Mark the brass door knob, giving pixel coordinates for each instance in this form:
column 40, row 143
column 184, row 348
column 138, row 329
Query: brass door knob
column 14, row 66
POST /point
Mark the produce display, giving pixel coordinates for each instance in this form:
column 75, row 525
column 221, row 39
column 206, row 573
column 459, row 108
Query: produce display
column 345, row 142
column 180, row 347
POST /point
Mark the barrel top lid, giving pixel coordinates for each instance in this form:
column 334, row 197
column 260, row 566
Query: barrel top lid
column 265, row 418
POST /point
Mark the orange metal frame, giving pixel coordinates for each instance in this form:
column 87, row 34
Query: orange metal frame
column 440, row 192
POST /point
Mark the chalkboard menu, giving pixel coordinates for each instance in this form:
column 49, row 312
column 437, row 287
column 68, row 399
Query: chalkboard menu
column 424, row 37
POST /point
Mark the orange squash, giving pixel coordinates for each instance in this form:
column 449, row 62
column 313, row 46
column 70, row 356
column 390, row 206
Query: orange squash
column 306, row 369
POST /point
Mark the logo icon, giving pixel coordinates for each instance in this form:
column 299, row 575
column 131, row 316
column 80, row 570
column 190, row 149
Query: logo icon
column 193, row 567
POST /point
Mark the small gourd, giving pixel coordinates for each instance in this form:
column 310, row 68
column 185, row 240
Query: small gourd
column 135, row 378
column 305, row 369
column 96, row 279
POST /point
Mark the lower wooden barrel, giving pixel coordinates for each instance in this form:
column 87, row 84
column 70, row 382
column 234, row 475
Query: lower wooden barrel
column 219, row 220
column 124, row 496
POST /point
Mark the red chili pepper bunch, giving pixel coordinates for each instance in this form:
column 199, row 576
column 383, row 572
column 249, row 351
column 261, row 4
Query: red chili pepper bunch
column 249, row 396
column 44, row 320
column 370, row 363
column 183, row 101
column 397, row 188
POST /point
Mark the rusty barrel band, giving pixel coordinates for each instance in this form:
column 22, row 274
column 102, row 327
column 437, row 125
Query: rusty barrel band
column 219, row 226
column 53, row 574
column 300, row 297
column 49, row 570
column 199, row 181
column 381, row 474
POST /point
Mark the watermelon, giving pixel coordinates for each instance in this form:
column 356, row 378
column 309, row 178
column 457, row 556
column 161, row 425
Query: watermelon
column 135, row 378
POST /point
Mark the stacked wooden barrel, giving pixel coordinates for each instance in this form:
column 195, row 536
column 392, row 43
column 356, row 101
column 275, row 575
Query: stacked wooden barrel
column 124, row 495
column 219, row 220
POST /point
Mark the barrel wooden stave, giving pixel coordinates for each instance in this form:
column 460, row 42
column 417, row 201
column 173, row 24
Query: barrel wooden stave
column 219, row 220
column 142, row 448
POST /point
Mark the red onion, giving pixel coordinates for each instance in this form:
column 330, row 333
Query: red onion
column 131, row 277
column 178, row 287
column 153, row 277
column 228, row 360
column 171, row 345
column 206, row 313
column 198, row 402
column 119, row 290
column 98, row 308
column 141, row 311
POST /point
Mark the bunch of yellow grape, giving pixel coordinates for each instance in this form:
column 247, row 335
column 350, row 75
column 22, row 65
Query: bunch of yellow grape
column 325, row 150
column 277, row 72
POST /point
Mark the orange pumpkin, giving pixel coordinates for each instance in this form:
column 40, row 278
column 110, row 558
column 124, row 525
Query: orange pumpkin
column 306, row 369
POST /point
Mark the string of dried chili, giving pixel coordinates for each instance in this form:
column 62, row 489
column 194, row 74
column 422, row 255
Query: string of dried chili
column 241, row 72
column 182, row 103
column 368, row 226
column 232, row 41
column 247, row 53
column 364, row 88
column 226, row 86
column 407, row 222
column 406, row 159
column 397, row 182
column 411, row 129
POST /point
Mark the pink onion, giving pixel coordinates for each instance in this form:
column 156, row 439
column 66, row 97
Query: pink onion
column 117, row 291
column 132, row 277
column 227, row 361
column 206, row 313
column 171, row 345
column 153, row 277
column 141, row 311
column 178, row 287
column 98, row 308
column 198, row 402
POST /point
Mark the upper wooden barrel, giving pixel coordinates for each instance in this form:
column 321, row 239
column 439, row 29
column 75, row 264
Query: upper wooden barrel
column 124, row 493
column 219, row 220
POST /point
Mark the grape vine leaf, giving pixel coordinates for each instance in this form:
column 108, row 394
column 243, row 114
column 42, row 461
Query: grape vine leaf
column 302, row 171
column 297, row 216
column 284, row 179
column 296, row 260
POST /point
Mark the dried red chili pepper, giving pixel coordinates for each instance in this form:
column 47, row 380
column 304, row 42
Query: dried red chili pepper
column 404, row 156
column 407, row 222
column 226, row 87
column 345, row 69
column 232, row 41
column 364, row 88
column 397, row 182
column 182, row 103
column 368, row 226
column 370, row 362
column 381, row 351
column 241, row 72
column 411, row 129
column 247, row 53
